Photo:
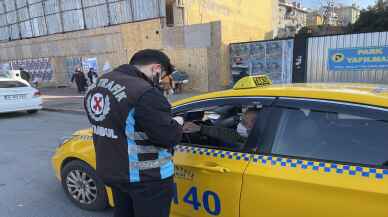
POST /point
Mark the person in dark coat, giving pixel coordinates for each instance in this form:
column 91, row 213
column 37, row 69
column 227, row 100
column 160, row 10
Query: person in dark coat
column 80, row 80
column 134, row 135
column 92, row 75
column 25, row 75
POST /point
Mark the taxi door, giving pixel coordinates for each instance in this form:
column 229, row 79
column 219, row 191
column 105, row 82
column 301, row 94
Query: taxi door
column 208, row 179
column 320, row 159
column 208, row 182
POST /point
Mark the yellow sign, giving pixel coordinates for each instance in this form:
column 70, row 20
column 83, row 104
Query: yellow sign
column 252, row 82
column 338, row 57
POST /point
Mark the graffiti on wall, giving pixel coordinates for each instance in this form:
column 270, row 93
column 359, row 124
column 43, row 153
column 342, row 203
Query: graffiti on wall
column 40, row 69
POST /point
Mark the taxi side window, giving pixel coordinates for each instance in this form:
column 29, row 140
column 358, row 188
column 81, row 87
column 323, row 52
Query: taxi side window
column 222, row 127
column 332, row 136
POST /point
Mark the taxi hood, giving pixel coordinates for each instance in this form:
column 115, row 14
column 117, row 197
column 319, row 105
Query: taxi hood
column 83, row 132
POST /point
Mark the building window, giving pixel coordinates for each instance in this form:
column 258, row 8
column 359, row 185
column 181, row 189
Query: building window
column 25, row 19
column 170, row 13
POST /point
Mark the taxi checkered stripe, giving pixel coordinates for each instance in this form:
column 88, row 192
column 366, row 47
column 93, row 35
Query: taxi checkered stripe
column 289, row 163
column 322, row 166
column 214, row 153
column 85, row 138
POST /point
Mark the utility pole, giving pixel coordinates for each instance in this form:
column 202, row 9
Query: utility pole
column 328, row 12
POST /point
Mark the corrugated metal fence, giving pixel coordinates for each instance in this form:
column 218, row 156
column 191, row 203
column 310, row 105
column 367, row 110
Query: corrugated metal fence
column 32, row 18
column 317, row 58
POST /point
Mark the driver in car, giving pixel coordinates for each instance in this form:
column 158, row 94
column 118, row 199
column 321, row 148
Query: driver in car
column 227, row 135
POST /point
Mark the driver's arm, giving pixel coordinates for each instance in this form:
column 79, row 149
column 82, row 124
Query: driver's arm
column 224, row 134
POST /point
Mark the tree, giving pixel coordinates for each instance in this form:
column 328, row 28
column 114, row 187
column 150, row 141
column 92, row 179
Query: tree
column 321, row 30
column 374, row 19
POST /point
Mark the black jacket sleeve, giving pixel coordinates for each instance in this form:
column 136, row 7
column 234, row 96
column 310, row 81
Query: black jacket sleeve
column 153, row 116
column 227, row 135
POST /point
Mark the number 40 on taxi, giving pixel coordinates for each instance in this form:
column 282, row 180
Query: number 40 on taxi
column 210, row 200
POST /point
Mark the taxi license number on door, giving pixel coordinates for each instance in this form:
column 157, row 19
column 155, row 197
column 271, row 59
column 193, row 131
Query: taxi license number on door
column 209, row 200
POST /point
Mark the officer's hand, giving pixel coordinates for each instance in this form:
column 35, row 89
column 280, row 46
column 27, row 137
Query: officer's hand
column 180, row 120
column 190, row 127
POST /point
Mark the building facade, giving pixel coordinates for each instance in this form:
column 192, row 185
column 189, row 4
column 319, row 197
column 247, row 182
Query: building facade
column 54, row 36
column 20, row 19
column 292, row 17
column 240, row 21
column 314, row 18
column 348, row 14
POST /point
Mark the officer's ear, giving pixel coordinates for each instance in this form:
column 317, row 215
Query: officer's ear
column 157, row 68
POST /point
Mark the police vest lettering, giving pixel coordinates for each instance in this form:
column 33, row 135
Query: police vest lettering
column 117, row 90
column 104, row 132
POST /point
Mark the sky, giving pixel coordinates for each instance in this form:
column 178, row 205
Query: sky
column 317, row 3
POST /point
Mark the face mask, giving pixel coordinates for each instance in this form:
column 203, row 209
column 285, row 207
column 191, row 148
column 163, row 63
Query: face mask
column 242, row 130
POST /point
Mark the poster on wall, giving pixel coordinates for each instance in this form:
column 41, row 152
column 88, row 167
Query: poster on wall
column 40, row 69
column 271, row 58
column 89, row 63
column 71, row 63
column 354, row 59
column 4, row 67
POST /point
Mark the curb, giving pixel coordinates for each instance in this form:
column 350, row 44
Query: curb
column 68, row 111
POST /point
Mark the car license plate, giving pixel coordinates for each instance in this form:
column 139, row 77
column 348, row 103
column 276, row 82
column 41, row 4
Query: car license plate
column 15, row 97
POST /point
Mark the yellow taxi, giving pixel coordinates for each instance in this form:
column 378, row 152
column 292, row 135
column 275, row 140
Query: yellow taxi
column 311, row 150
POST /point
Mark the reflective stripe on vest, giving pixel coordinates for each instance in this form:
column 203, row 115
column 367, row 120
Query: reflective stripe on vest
column 164, row 161
column 137, row 136
column 150, row 164
column 143, row 149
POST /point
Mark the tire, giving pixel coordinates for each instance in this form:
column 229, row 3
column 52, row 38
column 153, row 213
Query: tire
column 83, row 187
column 32, row 111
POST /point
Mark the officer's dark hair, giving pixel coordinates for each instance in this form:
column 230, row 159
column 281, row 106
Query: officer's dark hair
column 151, row 56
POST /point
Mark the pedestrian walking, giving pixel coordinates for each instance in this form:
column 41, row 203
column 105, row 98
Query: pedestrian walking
column 80, row 80
column 134, row 135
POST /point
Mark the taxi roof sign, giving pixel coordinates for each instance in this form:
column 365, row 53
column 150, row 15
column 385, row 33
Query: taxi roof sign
column 252, row 82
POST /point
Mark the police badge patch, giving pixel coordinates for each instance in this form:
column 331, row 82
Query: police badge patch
column 98, row 106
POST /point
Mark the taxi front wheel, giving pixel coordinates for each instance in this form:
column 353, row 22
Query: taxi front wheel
column 83, row 187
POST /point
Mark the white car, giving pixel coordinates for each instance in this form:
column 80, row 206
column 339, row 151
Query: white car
column 18, row 95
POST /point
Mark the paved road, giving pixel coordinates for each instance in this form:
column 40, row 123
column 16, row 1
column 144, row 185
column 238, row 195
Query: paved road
column 68, row 100
column 28, row 187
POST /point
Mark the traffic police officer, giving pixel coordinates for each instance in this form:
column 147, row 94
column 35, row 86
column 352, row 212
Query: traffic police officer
column 134, row 135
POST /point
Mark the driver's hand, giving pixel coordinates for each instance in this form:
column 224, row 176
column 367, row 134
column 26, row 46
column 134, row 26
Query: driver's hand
column 190, row 127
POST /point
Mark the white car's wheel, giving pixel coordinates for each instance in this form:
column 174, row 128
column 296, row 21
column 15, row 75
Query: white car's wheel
column 83, row 187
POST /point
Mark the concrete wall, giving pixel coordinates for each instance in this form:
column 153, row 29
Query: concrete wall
column 113, row 44
column 240, row 21
column 194, row 49
column 104, row 43
column 201, row 50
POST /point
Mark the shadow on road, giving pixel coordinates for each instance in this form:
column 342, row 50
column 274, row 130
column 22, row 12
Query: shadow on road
column 16, row 115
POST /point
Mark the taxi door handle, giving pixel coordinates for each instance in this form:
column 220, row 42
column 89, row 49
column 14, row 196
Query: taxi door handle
column 213, row 168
